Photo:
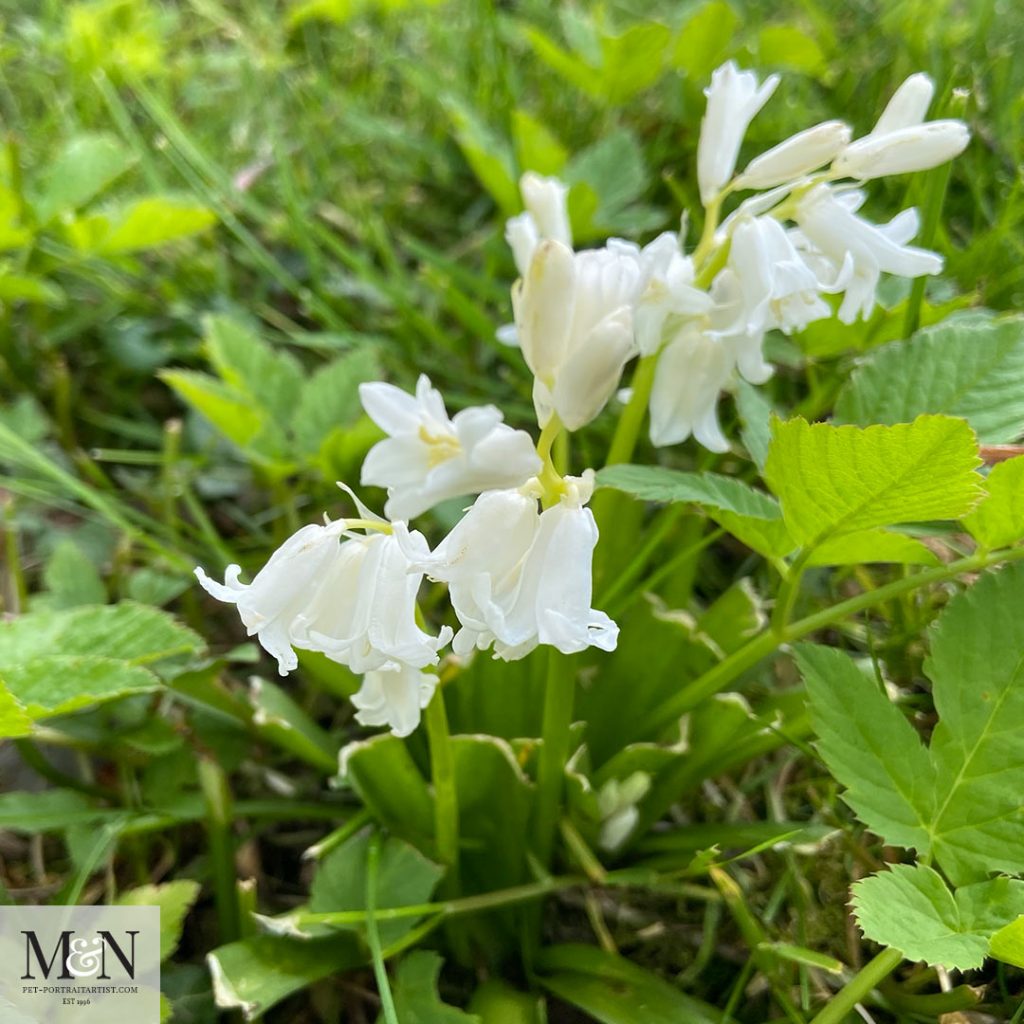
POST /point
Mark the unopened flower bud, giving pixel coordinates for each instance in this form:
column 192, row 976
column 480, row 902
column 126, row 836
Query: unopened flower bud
column 798, row 155
column 916, row 148
column 908, row 106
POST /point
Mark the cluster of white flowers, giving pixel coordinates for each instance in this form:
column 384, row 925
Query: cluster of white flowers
column 518, row 563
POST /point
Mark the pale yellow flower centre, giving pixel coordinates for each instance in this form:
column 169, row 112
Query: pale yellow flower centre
column 440, row 447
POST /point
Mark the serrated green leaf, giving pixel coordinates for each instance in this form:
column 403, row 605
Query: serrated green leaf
column 705, row 39
column 14, row 720
column 83, row 168
column 973, row 368
column 976, row 665
column 872, row 546
column 833, row 481
column 614, row 167
column 404, row 878
column 415, row 991
column 998, row 521
column 912, row 910
column 752, row 516
column 57, row 684
column 71, row 578
column 869, row 747
column 329, row 400
column 272, row 378
column 174, row 899
column 228, row 411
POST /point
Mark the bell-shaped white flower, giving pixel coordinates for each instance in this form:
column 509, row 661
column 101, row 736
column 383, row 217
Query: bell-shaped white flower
column 394, row 697
column 349, row 595
column 574, row 319
column 428, row 458
column 798, row 155
column 282, row 589
column 734, row 98
column 364, row 613
column 692, row 370
column 535, row 586
column 908, row 106
column 859, row 250
column 546, row 216
column 778, row 289
column 916, row 148
column 666, row 288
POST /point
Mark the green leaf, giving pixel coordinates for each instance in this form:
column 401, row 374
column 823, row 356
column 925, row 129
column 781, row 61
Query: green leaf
column 383, row 773
column 415, row 991
column 82, row 169
column 329, row 400
column 405, row 878
column 869, row 747
column 146, row 224
column 14, row 720
column 271, row 378
column 122, row 632
column 755, row 413
column 71, row 578
column 227, row 410
column 633, row 61
column 49, row 811
column 705, row 39
column 571, row 67
column 174, row 899
column 537, row 149
column 752, row 516
column 487, row 156
column 258, row 973
column 614, row 168
column 615, row 991
column 912, row 910
column 789, row 47
column 16, row 287
column 284, row 723
column 976, row 666
column 973, row 368
column 833, row 481
column 998, row 521
column 57, row 684
column 1008, row 943
column 496, row 1002
column 869, row 546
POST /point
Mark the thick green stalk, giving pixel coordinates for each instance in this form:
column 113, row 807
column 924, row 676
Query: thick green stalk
column 442, row 772
column 859, row 986
column 554, row 752
column 627, row 431
column 217, row 800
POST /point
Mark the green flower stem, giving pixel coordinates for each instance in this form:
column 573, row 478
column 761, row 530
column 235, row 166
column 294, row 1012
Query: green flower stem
column 731, row 668
column 554, row 752
column 219, row 815
column 380, row 971
column 627, row 431
column 442, row 772
column 859, row 986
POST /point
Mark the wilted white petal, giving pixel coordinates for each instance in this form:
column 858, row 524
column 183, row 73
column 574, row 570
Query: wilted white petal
column 916, row 148
column 908, row 106
column 798, row 155
column 734, row 98
column 394, row 697
column 429, row 458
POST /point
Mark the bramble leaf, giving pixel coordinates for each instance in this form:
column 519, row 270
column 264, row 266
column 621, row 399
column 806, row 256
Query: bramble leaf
column 998, row 521
column 833, row 481
column 970, row 367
